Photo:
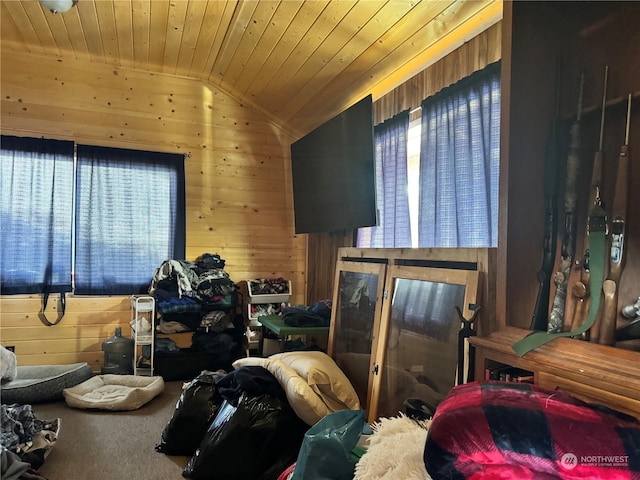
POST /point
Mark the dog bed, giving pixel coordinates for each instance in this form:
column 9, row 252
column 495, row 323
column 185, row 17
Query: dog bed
column 43, row 383
column 114, row 392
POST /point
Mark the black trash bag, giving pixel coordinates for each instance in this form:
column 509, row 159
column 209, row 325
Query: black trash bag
column 196, row 408
column 257, row 440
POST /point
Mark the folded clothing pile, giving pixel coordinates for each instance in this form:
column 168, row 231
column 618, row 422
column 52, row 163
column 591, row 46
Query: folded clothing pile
column 317, row 315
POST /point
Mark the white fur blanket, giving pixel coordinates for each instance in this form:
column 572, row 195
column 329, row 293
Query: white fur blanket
column 8, row 365
column 395, row 451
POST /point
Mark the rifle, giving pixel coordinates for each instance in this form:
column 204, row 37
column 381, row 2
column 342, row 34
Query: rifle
column 617, row 258
column 631, row 311
column 540, row 316
column 580, row 289
column 561, row 279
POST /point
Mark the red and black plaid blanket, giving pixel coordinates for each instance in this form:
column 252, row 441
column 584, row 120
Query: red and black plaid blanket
column 498, row 430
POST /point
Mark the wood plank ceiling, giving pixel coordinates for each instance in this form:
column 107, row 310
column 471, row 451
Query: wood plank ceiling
column 298, row 62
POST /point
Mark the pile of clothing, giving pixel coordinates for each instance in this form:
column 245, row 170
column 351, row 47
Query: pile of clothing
column 25, row 442
column 316, row 315
column 182, row 286
column 196, row 296
column 269, row 286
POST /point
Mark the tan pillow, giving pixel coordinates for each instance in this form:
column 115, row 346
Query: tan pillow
column 314, row 385
column 324, row 377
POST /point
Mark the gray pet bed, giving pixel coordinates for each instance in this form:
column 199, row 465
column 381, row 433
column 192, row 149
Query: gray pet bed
column 43, row 383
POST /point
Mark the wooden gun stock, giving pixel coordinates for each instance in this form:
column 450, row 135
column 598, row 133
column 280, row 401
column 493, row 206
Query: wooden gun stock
column 580, row 292
column 581, row 289
column 607, row 334
column 617, row 257
column 561, row 279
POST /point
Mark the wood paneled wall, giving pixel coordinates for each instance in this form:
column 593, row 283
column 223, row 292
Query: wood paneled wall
column 474, row 55
column 238, row 182
column 238, row 177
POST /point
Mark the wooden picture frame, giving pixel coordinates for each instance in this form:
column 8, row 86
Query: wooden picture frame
column 355, row 321
column 387, row 362
column 425, row 352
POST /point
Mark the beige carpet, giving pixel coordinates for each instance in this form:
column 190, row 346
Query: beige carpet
column 103, row 445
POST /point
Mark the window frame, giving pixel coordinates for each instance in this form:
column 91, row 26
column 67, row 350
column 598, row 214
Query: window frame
column 40, row 283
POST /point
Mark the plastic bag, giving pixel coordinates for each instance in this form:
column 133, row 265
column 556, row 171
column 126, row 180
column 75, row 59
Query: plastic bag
column 256, row 440
column 326, row 449
column 195, row 410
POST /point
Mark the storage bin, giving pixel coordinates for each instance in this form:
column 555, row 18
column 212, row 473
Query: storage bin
column 182, row 365
column 255, row 310
column 268, row 298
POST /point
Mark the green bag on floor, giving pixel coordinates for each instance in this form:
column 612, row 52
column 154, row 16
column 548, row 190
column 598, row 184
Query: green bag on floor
column 326, row 449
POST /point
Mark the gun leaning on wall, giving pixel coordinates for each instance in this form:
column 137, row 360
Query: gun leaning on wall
column 617, row 257
column 540, row 316
column 580, row 288
column 561, row 279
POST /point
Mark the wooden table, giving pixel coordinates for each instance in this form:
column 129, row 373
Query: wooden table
column 592, row 372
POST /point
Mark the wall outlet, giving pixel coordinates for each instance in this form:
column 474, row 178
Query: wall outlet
column 11, row 348
column 417, row 369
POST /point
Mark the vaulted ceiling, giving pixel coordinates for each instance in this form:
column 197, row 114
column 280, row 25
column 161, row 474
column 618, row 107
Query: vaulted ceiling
column 298, row 62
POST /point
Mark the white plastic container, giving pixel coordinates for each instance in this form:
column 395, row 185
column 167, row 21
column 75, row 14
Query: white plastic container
column 269, row 298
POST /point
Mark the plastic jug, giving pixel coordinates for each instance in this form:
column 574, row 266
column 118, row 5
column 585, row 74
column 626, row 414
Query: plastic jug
column 118, row 354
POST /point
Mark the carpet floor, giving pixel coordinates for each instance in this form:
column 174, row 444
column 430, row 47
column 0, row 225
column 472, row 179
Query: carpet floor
column 104, row 445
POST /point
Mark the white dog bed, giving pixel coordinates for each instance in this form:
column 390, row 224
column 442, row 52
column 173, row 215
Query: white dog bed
column 114, row 392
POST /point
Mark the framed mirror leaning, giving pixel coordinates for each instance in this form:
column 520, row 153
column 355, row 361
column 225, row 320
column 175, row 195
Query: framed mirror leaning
column 357, row 305
column 416, row 356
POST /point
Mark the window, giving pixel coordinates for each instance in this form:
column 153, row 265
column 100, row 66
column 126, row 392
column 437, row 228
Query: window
column 124, row 217
column 448, row 169
column 459, row 163
column 36, row 198
column 413, row 175
column 392, row 201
